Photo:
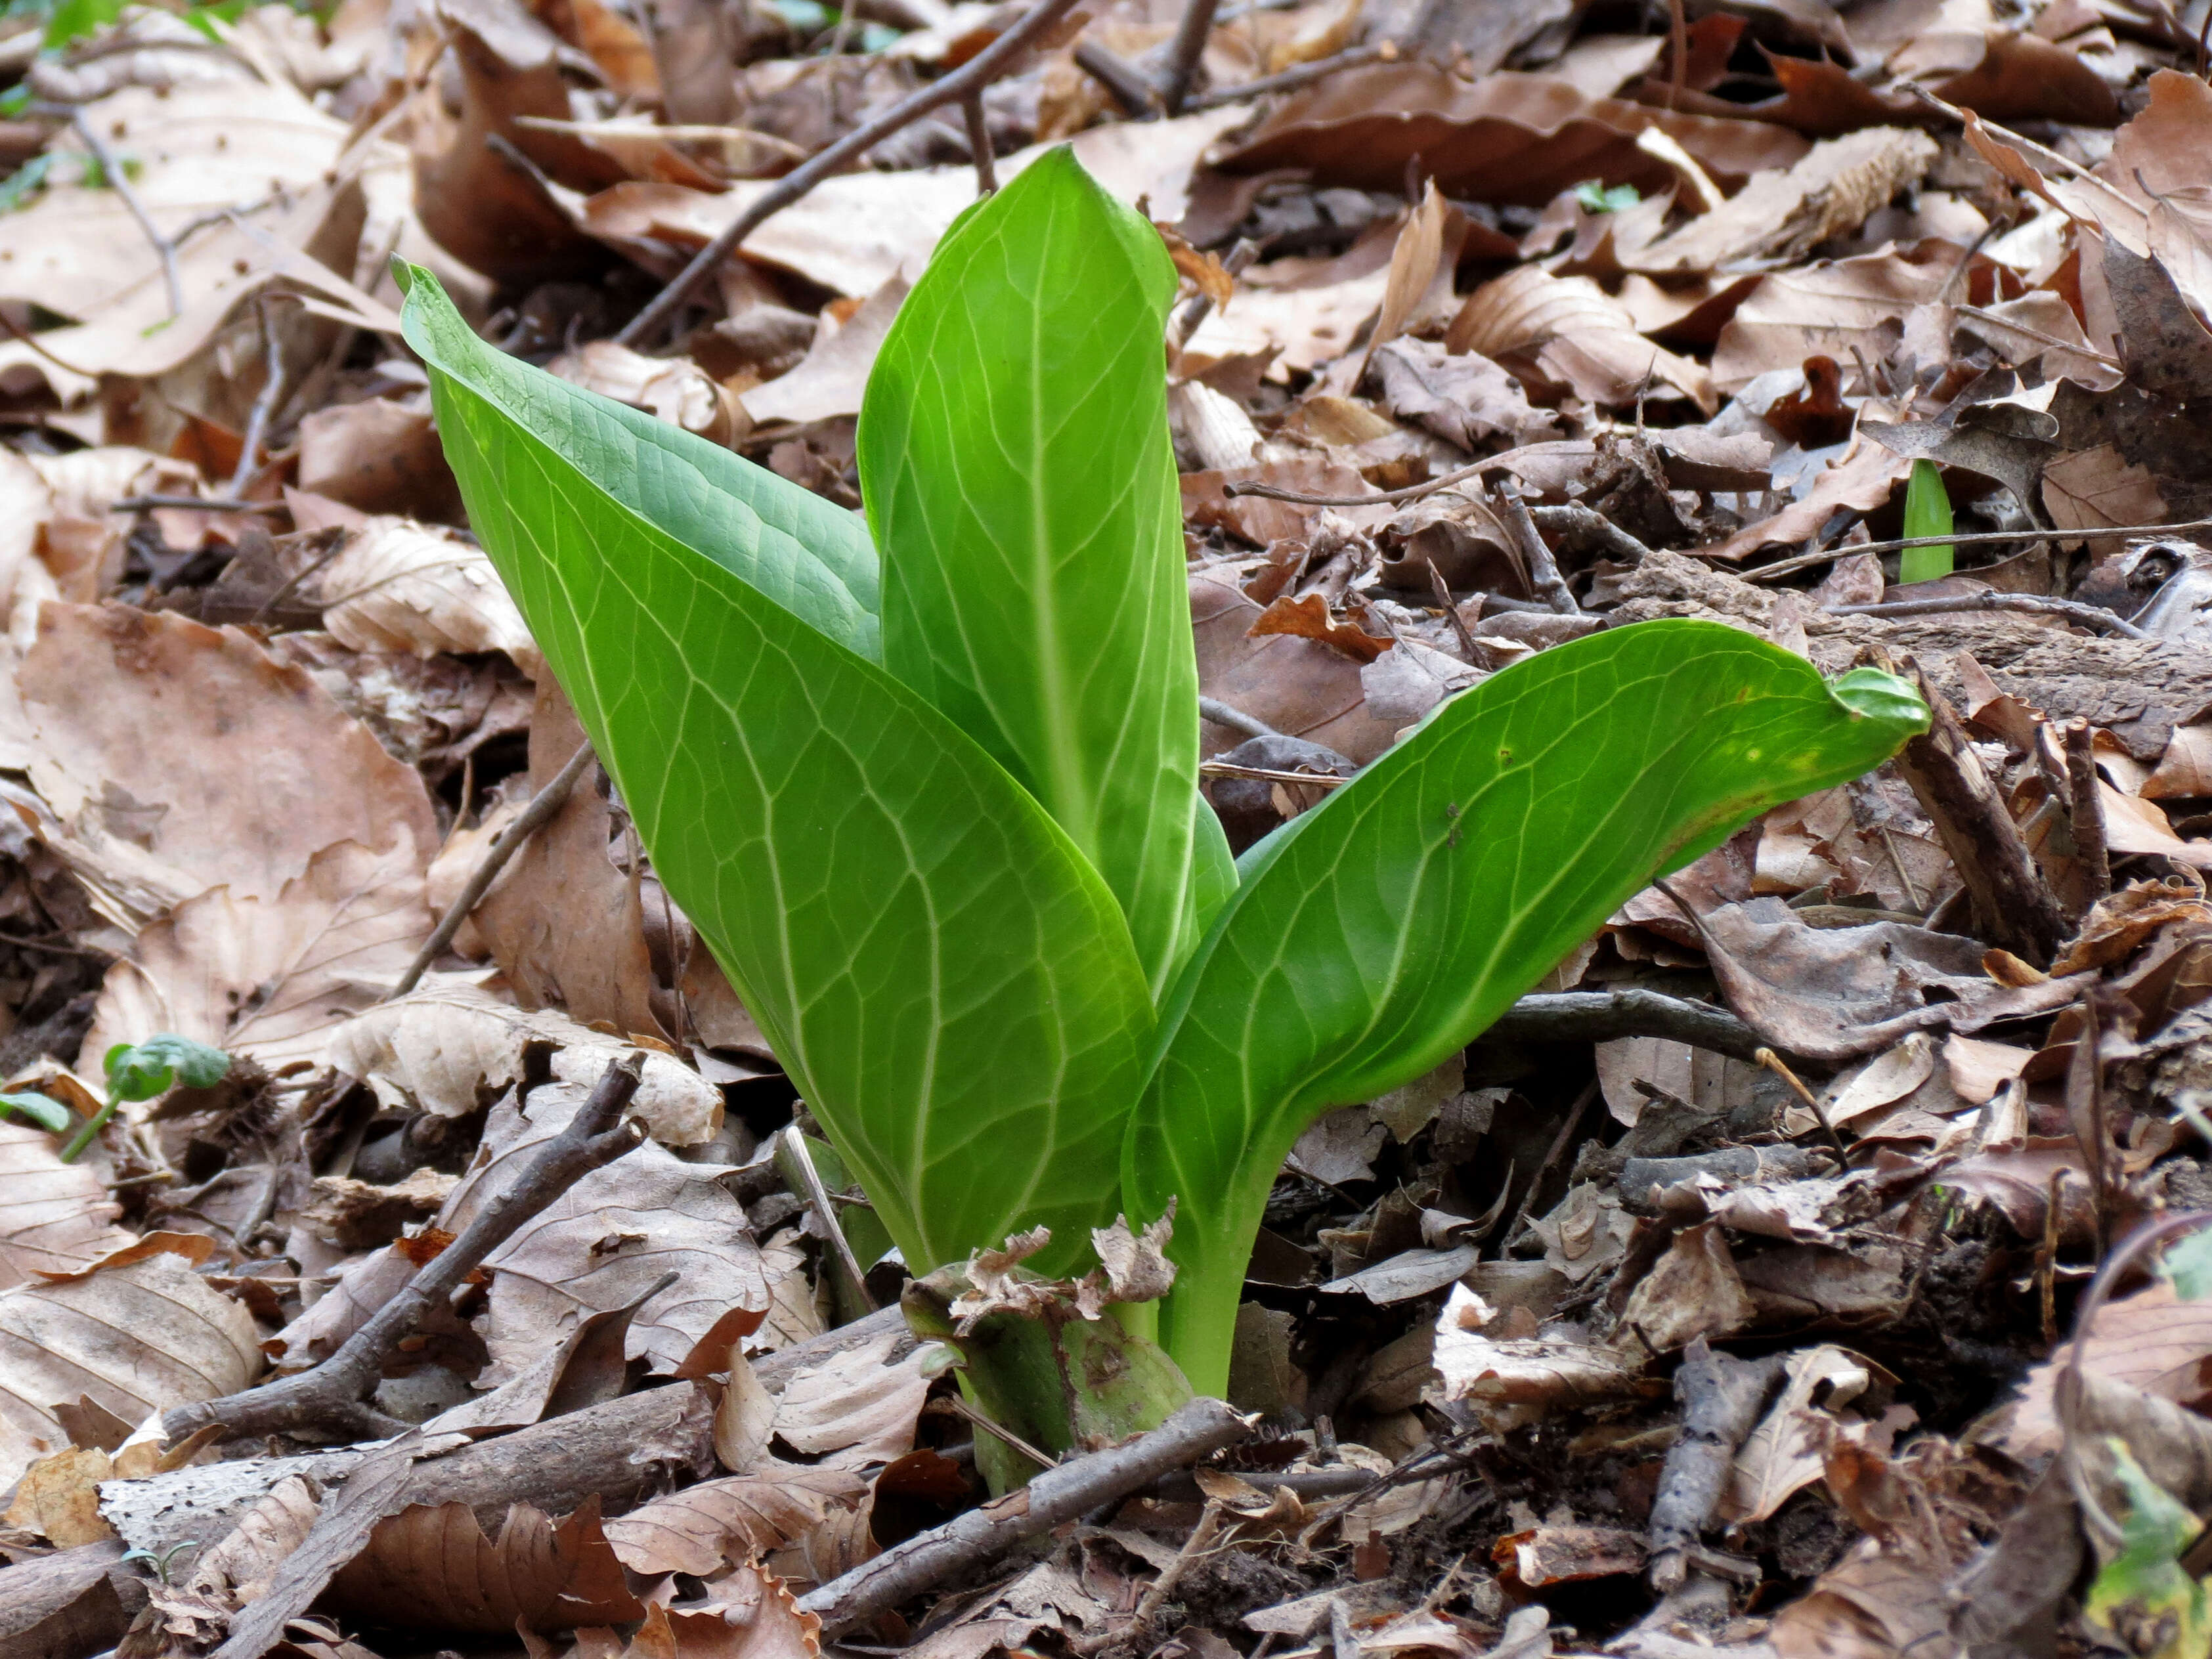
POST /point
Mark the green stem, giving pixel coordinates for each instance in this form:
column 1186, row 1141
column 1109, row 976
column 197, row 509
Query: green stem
column 82, row 1138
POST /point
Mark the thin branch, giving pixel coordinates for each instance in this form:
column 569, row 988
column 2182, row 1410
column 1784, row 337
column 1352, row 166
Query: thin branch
column 826, row 1213
column 1235, row 719
column 1991, row 539
column 1586, row 524
column 2089, row 616
column 1077, row 1485
column 543, row 806
column 980, row 152
column 1601, row 1015
column 2089, row 812
column 1291, row 80
column 1123, row 79
column 1199, row 305
column 1219, row 768
column 1188, row 47
column 111, row 170
column 331, row 1396
column 202, row 503
column 1544, row 578
column 264, row 405
column 976, row 73
column 1384, row 497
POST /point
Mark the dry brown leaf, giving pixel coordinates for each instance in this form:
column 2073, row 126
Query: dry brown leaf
column 1788, row 1451
column 54, row 1216
column 438, row 1046
column 59, row 1498
column 276, row 977
column 1307, row 617
column 830, row 377
column 1300, row 687
column 1575, row 334
column 1546, row 1373
column 1299, row 312
column 399, row 586
column 855, row 1407
column 1783, row 215
column 433, row 1568
column 238, row 1566
column 379, row 456
column 1826, row 310
column 565, row 922
column 751, row 1615
column 128, row 714
column 1507, row 137
column 1693, row 1291
column 673, row 389
column 2094, row 487
column 729, row 1522
column 135, row 1338
column 2153, row 1340
column 1862, row 479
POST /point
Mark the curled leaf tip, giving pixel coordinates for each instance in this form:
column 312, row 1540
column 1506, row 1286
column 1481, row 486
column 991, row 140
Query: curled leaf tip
column 1872, row 694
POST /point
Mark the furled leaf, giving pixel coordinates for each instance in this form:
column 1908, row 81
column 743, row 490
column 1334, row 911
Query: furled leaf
column 142, row 1071
column 1014, row 455
column 948, row 983
column 1384, row 929
column 1926, row 512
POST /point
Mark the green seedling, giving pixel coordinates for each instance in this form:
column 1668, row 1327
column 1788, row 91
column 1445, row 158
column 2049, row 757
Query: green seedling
column 936, row 812
column 143, row 1071
column 1594, row 196
column 1926, row 512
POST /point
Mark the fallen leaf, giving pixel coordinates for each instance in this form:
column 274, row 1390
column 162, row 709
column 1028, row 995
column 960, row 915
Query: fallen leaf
column 856, row 1407
column 1788, row 1451
column 435, row 1568
column 1307, row 617
column 731, row 1521
column 54, row 1216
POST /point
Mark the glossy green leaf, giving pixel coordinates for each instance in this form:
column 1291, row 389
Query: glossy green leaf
column 812, row 559
column 949, row 983
column 1926, row 512
column 1379, row 932
column 1014, row 456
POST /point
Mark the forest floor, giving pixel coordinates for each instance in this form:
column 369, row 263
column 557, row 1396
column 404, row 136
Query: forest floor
column 1805, row 1269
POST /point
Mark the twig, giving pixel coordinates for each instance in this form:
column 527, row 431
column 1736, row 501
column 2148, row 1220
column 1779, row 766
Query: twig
column 2089, row 813
column 332, row 1395
column 111, row 172
column 2089, row 616
column 203, row 503
column 2012, row 908
column 1504, row 458
column 1080, row 1485
column 1291, row 80
column 1602, row 1015
column 1544, row 578
column 1982, row 538
column 543, row 806
column 818, row 1195
column 1221, row 768
column 997, row 1430
column 1138, row 1635
column 1459, row 628
column 2085, row 1112
column 264, row 405
column 2083, row 349
column 1768, row 1061
column 1575, row 522
column 1553, row 1154
column 1721, row 1398
column 976, row 73
column 1188, row 47
column 980, row 152
column 1235, row 719
column 1135, row 94
column 338, row 538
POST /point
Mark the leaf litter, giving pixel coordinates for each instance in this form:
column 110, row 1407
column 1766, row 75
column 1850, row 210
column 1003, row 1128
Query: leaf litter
column 1774, row 1279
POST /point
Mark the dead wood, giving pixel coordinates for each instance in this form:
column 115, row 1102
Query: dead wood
column 329, row 1398
column 1722, row 1397
column 2088, row 814
column 75, row 1601
column 2012, row 907
column 1602, row 1015
column 1196, row 1431
column 2088, row 616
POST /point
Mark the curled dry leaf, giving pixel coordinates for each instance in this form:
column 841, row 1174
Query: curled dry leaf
column 1788, row 1451
column 237, row 1567
column 434, row 1568
column 115, row 696
column 1542, row 1374
column 134, row 1338
column 54, row 1216
column 1307, row 617
column 399, row 586
column 441, row 1043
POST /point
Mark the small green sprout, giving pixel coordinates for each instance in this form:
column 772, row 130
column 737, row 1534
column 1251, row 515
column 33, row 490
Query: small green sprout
column 1926, row 512
column 142, row 1071
column 1594, row 196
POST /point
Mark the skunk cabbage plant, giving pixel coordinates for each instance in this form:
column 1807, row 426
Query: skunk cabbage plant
column 929, row 786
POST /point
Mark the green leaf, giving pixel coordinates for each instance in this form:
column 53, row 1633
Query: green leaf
column 2144, row 1588
column 1014, row 456
column 74, row 19
column 811, row 558
column 950, row 985
column 2189, row 1266
column 142, row 1071
column 1926, row 512
column 1377, row 933
column 41, row 1109
column 1593, row 196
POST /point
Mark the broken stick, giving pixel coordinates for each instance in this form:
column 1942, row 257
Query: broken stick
column 1078, row 1484
column 333, row 1396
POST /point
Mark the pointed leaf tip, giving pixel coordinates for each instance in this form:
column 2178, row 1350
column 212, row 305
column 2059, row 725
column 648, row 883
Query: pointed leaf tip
column 1871, row 694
